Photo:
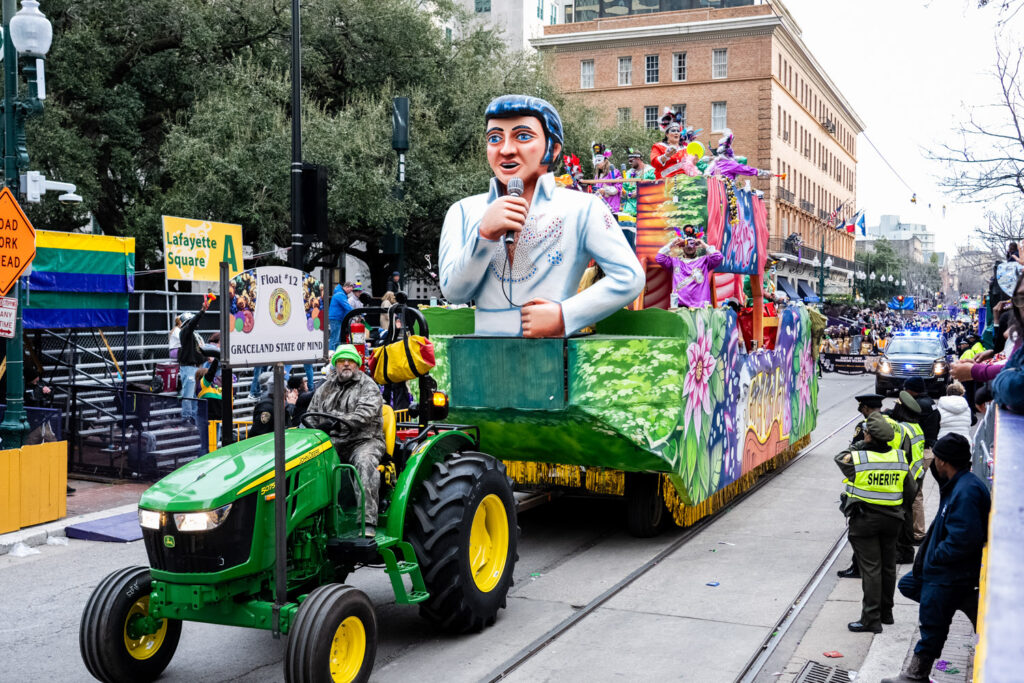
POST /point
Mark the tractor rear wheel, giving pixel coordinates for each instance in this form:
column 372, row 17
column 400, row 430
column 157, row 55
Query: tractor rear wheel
column 333, row 638
column 112, row 637
column 645, row 504
column 463, row 528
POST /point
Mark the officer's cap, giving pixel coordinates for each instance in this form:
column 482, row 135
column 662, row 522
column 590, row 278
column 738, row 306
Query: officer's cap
column 879, row 428
column 870, row 400
column 910, row 403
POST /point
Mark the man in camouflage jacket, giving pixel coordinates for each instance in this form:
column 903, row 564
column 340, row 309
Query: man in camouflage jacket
column 358, row 436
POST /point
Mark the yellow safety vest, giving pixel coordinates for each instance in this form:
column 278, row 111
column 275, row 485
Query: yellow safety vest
column 914, row 444
column 878, row 477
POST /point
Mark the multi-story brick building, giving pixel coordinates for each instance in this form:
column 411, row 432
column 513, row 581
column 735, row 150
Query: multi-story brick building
column 739, row 65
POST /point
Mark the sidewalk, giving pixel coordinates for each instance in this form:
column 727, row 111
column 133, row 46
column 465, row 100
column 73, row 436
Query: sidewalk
column 91, row 500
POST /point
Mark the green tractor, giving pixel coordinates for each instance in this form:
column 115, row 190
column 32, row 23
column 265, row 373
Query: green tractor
column 446, row 535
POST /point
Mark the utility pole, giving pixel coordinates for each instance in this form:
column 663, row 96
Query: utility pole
column 295, row 257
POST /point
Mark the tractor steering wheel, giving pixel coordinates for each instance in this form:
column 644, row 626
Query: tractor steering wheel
column 333, row 421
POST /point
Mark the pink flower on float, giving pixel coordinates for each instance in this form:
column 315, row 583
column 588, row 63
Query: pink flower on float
column 803, row 379
column 697, row 384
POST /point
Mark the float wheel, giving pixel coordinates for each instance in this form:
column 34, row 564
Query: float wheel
column 645, row 504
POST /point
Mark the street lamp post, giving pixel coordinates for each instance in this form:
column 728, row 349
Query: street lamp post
column 27, row 33
column 824, row 270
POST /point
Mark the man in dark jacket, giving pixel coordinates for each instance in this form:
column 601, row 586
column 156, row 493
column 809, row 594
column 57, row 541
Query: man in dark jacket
column 876, row 482
column 190, row 359
column 947, row 570
column 930, row 421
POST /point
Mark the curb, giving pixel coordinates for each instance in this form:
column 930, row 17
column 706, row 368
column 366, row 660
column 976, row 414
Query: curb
column 37, row 535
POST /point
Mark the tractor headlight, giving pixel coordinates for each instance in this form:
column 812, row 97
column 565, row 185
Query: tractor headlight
column 939, row 367
column 149, row 519
column 884, row 367
column 201, row 521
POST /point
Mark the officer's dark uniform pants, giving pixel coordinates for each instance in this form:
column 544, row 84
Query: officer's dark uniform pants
column 873, row 537
column 905, row 539
column 938, row 605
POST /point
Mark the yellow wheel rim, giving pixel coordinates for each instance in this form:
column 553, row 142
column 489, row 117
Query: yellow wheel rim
column 146, row 645
column 488, row 543
column 348, row 650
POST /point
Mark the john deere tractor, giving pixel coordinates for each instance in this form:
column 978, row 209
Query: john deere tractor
column 446, row 535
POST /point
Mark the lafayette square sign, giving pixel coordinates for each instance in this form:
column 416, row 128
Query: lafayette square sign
column 275, row 316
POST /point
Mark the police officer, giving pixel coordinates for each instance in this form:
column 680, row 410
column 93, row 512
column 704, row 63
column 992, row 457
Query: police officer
column 867, row 404
column 876, row 484
column 908, row 412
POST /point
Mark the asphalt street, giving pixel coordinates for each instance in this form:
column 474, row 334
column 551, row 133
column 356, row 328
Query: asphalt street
column 667, row 625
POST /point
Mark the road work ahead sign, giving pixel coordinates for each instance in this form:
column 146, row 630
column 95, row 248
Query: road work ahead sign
column 17, row 241
column 193, row 248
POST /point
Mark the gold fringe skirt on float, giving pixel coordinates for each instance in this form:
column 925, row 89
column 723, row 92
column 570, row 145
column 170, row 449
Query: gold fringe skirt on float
column 612, row 482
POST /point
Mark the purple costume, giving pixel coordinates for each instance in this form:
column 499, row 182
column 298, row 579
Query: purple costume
column 691, row 277
column 614, row 201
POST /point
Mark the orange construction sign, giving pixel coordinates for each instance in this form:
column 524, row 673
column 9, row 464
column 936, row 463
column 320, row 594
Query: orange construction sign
column 17, row 241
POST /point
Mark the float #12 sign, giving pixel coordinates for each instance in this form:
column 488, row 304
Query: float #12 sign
column 276, row 316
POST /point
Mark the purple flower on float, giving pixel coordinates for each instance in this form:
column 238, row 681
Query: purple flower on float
column 697, row 384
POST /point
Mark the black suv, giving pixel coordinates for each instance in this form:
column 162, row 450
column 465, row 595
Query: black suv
column 914, row 354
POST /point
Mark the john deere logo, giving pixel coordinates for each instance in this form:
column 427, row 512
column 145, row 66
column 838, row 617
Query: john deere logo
column 280, row 306
column 169, row 541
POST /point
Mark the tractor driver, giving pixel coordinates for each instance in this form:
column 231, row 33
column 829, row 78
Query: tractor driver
column 358, row 436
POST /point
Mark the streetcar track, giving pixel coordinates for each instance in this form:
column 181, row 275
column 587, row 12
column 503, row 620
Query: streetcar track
column 687, row 535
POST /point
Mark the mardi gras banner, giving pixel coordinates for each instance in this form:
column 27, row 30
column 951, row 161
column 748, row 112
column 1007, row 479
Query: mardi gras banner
column 734, row 219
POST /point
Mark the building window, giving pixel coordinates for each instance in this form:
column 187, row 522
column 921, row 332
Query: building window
column 625, row 71
column 587, row 73
column 540, row 9
column 625, row 115
column 718, row 120
column 650, row 117
column 720, row 63
column 681, row 110
column 448, row 34
column 554, row 13
column 482, row 5
column 679, row 66
column 652, row 69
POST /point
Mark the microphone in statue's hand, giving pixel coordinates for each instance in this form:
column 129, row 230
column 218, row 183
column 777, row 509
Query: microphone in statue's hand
column 515, row 189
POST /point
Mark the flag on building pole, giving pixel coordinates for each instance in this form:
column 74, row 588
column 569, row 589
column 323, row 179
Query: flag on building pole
column 860, row 224
column 849, row 225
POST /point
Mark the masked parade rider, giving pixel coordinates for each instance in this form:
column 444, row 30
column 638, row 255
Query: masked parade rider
column 352, row 396
column 529, row 288
column 691, row 274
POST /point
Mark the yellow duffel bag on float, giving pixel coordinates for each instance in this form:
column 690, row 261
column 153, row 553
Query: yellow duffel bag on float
column 402, row 360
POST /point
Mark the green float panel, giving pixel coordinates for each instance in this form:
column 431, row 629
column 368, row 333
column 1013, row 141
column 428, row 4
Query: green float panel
column 507, row 372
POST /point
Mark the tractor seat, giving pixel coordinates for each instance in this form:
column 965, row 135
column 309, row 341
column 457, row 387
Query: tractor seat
column 390, row 426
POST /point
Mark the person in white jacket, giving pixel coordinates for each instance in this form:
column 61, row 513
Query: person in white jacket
column 954, row 411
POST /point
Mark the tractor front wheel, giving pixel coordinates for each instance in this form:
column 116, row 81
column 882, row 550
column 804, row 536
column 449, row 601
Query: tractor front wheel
column 463, row 528
column 645, row 505
column 333, row 638
column 117, row 637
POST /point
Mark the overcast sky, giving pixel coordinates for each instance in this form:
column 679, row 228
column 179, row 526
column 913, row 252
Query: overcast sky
column 911, row 69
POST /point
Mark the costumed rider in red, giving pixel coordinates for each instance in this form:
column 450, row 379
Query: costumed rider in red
column 669, row 157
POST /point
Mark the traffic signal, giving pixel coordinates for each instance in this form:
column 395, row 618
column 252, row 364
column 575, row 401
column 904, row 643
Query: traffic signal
column 314, row 201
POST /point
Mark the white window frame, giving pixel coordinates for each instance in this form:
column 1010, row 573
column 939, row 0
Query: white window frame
column 678, row 65
column 584, row 81
column 554, row 13
column 626, row 75
column 680, row 109
column 623, row 115
column 720, row 69
column 651, row 117
column 648, row 61
column 724, row 114
column 540, row 9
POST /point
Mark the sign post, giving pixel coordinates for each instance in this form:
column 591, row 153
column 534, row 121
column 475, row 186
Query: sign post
column 17, row 249
column 274, row 315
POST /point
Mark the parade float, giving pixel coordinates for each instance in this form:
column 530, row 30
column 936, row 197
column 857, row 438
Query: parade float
column 662, row 406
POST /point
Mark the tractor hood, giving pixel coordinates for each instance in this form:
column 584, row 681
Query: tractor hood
column 228, row 473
